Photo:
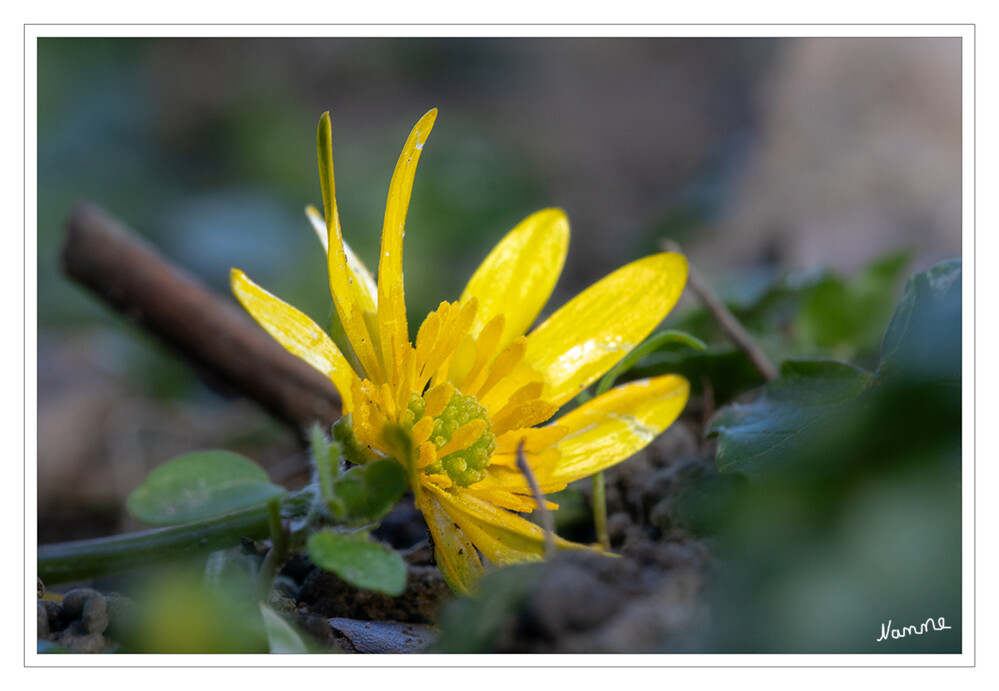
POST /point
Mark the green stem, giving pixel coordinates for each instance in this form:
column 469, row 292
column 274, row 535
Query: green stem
column 74, row 561
column 600, row 510
column 278, row 553
column 651, row 344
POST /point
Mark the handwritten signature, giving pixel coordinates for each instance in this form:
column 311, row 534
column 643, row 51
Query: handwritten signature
column 888, row 632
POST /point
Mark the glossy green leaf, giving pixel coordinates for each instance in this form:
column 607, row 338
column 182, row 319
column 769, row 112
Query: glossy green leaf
column 924, row 336
column 201, row 485
column 822, row 410
column 802, row 408
column 359, row 560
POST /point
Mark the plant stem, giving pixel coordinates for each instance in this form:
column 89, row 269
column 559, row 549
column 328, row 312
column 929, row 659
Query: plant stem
column 278, row 553
column 74, row 561
column 600, row 510
column 651, row 344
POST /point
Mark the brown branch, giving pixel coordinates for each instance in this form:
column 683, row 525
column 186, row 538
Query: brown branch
column 209, row 331
column 735, row 331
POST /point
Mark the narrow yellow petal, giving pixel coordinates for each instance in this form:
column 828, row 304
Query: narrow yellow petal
column 362, row 282
column 297, row 333
column 615, row 425
column 505, row 473
column 426, row 453
column 347, row 307
column 437, row 398
column 508, row 500
column 598, row 327
column 504, row 364
column 518, row 276
column 422, row 430
column 502, row 537
column 392, row 326
column 485, row 348
column 516, row 416
column 456, row 556
column 463, row 437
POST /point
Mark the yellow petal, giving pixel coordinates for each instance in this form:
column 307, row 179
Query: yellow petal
column 347, row 307
column 518, row 276
column 362, row 282
column 502, row 537
column 535, row 439
column 598, row 327
column 615, row 425
column 392, row 326
column 297, row 333
column 456, row 556
column 463, row 437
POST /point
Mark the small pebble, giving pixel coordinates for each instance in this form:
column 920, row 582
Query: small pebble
column 95, row 614
column 55, row 614
column 76, row 642
column 74, row 600
column 43, row 620
column 120, row 611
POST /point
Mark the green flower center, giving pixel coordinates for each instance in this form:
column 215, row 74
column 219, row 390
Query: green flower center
column 465, row 466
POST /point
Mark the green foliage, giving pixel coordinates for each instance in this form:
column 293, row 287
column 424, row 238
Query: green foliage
column 819, row 313
column 848, row 317
column 359, row 560
column 924, row 337
column 180, row 611
column 806, row 408
column 819, row 404
column 201, row 485
column 362, row 494
column 851, row 515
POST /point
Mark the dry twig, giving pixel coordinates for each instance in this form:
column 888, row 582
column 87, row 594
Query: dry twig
column 735, row 331
column 547, row 523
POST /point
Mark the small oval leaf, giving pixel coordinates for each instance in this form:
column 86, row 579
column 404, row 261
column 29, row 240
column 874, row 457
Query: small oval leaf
column 359, row 560
column 200, row 485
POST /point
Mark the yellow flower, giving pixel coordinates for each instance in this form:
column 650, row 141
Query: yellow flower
column 454, row 405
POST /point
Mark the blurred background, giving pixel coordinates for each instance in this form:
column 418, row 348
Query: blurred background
column 758, row 156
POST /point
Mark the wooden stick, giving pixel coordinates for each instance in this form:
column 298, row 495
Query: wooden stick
column 212, row 333
column 735, row 331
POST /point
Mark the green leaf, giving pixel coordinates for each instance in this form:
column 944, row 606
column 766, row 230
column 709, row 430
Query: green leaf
column 360, row 561
column 281, row 636
column 364, row 494
column 806, row 407
column 924, row 336
column 849, row 316
column 201, row 485
column 818, row 406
